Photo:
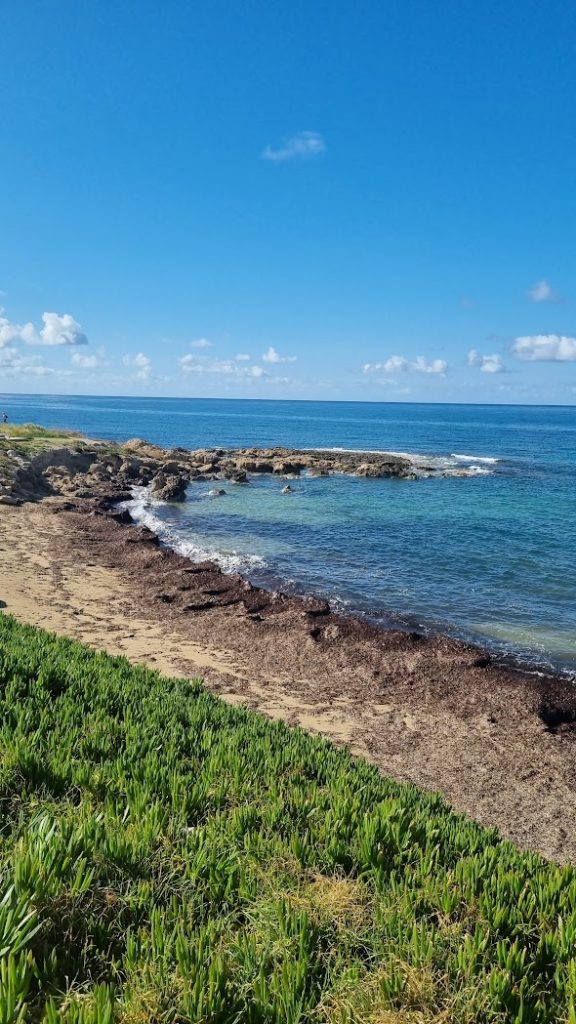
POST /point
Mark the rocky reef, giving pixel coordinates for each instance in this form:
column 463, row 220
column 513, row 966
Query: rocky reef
column 95, row 469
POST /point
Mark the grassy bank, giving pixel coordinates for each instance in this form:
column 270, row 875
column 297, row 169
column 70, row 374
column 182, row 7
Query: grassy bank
column 167, row 858
column 29, row 435
column 26, row 440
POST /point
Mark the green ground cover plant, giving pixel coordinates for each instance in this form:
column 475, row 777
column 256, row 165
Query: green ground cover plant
column 28, row 434
column 165, row 857
column 26, row 440
column 20, row 443
column 32, row 430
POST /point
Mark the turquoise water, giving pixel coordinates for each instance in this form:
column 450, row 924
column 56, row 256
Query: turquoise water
column 489, row 557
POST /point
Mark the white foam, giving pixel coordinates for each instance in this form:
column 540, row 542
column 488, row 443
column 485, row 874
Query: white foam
column 141, row 508
column 474, row 471
column 427, row 465
column 489, row 460
column 359, row 451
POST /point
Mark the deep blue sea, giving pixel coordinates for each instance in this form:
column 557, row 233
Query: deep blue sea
column 490, row 556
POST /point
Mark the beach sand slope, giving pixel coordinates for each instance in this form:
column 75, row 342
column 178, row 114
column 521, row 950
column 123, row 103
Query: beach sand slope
column 425, row 710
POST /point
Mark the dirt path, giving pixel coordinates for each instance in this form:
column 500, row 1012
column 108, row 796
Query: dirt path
column 420, row 709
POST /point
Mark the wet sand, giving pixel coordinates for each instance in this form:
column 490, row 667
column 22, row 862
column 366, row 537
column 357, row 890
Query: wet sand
column 499, row 745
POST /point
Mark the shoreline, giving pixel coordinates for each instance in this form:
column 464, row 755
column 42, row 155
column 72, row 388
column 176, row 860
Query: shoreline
column 494, row 740
column 320, row 609
column 512, row 660
column 166, row 473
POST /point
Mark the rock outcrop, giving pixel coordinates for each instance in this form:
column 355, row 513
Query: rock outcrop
column 99, row 469
column 171, row 487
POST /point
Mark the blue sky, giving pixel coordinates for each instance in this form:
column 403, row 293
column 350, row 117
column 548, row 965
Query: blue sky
column 295, row 200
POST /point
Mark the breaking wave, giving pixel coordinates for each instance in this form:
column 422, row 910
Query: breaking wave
column 489, row 460
column 142, row 509
column 431, row 465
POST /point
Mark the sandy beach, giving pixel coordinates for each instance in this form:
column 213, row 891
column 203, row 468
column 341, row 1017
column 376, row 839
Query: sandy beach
column 431, row 711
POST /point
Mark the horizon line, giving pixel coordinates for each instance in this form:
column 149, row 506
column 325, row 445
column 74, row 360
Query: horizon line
column 310, row 401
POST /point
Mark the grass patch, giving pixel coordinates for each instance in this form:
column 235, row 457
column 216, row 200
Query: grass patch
column 30, row 431
column 165, row 857
column 26, row 440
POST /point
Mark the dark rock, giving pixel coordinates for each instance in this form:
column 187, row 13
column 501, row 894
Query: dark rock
column 288, row 468
column 237, row 476
column 198, row 567
column 63, row 506
column 169, row 488
column 130, row 468
column 228, row 598
column 122, row 516
column 557, row 718
column 256, row 602
column 122, row 495
column 158, row 482
column 172, row 468
column 256, row 466
column 142, row 535
column 111, row 495
column 98, row 472
column 316, row 606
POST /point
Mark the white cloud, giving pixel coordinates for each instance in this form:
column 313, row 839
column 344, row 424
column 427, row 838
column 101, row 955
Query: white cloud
column 201, row 343
column 198, row 364
column 436, row 366
column 85, row 362
column 272, row 356
column 57, row 330
column 142, row 363
column 232, row 370
column 396, row 364
column 545, row 348
column 10, row 332
column 13, row 363
column 61, row 330
column 399, row 364
column 226, row 367
column 242, row 357
column 542, row 292
column 487, row 364
column 302, row 146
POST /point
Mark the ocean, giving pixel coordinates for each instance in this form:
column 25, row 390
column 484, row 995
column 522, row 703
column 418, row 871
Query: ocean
column 489, row 557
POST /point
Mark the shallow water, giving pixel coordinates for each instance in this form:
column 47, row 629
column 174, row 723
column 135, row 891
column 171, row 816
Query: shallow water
column 489, row 557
